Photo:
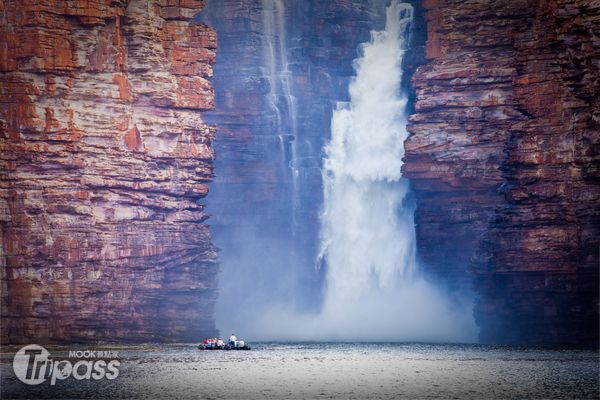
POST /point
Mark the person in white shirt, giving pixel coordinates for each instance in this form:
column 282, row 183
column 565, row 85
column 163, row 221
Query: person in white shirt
column 232, row 339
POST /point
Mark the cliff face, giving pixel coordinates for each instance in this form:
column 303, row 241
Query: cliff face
column 105, row 161
column 503, row 157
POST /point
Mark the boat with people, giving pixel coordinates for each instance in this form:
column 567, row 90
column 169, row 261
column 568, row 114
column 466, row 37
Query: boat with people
column 220, row 344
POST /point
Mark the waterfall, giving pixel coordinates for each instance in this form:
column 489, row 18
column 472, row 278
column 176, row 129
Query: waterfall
column 281, row 97
column 374, row 290
column 282, row 120
column 367, row 234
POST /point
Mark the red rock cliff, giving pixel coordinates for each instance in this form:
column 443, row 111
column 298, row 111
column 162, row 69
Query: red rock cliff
column 503, row 156
column 105, row 161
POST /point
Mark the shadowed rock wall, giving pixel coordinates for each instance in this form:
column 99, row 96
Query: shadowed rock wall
column 503, row 156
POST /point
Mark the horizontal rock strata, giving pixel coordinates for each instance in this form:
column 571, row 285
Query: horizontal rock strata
column 503, row 156
column 105, row 160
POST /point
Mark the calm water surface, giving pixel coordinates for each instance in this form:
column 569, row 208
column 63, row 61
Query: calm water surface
column 328, row 370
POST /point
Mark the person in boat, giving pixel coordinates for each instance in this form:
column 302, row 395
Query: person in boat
column 232, row 340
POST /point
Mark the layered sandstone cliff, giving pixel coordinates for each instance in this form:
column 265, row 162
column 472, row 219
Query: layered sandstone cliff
column 503, row 156
column 105, row 160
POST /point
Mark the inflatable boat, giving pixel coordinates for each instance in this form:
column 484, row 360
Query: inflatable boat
column 220, row 345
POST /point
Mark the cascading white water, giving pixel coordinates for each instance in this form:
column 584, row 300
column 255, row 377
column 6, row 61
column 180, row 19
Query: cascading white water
column 374, row 291
column 367, row 239
column 373, row 288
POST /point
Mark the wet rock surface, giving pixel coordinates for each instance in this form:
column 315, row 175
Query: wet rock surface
column 105, row 160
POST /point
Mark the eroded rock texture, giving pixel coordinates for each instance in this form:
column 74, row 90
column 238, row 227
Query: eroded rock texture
column 503, row 156
column 105, row 161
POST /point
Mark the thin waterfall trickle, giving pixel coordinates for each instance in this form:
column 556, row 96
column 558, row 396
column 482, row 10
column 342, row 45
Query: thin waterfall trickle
column 284, row 104
column 281, row 96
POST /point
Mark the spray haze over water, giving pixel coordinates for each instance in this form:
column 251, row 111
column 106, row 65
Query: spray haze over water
column 373, row 287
